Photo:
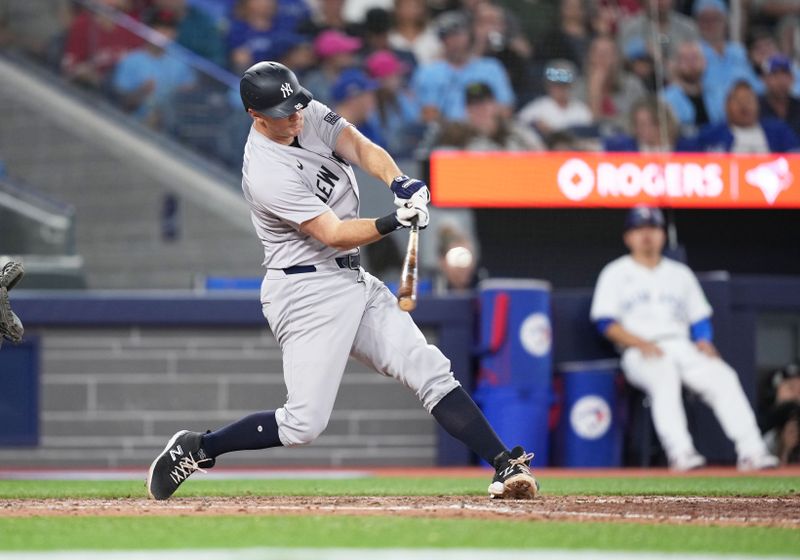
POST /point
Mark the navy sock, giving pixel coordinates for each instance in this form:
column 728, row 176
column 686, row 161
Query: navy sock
column 458, row 414
column 257, row 431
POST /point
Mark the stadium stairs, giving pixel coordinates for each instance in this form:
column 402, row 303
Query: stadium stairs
column 74, row 146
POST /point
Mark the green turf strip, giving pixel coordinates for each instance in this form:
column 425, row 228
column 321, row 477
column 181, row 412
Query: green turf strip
column 197, row 486
column 121, row 533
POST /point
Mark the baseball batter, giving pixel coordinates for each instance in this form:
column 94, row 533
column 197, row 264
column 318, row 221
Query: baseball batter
column 321, row 305
column 654, row 310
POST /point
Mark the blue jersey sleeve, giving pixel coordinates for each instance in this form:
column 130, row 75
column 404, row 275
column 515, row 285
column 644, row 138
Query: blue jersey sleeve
column 702, row 330
column 603, row 324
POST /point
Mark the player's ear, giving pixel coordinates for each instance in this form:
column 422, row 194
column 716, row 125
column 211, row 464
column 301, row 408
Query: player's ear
column 626, row 238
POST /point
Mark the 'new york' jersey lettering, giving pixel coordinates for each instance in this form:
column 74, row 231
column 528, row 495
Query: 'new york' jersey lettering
column 326, row 180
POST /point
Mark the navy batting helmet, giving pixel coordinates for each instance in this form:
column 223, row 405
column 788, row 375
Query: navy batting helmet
column 271, row 89
column 644, row 216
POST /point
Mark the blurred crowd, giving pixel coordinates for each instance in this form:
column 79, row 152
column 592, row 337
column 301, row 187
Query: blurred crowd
column 647, row 75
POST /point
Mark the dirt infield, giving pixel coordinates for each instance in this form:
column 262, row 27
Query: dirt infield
column 737, row 511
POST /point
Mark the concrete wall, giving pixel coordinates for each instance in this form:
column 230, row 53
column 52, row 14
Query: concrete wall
column 113, row 396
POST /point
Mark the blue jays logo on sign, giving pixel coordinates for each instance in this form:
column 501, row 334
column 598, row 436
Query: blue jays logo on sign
column 771, row 178
column 590, row 417
column 536, row 335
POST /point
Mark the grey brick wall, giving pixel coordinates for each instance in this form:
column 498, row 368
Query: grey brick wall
column 112, row 397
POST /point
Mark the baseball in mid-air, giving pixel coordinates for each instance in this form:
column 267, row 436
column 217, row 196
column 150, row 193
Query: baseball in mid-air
column 459, row 257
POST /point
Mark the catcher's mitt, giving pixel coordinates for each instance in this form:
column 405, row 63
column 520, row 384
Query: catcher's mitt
column 10, row 326
column 11, row 273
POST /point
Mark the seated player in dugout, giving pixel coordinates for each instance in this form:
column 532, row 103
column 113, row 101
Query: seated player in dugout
column 321, row 305
column 654, row 310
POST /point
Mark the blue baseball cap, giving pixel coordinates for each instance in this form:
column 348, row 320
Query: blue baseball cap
column 283, row 43
column 703, row 5
column 778, row 63
column 352, row 82
column 644, row 216
column 635, row 49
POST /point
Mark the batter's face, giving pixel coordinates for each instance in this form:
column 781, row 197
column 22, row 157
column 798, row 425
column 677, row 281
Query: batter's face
column 645, row 242
column 282, row 131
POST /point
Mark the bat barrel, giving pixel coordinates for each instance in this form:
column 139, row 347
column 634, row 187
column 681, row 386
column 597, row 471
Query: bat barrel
column 407, row 293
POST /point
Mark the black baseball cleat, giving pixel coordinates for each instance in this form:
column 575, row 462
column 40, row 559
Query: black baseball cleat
column 513, row 479
column 180, row 459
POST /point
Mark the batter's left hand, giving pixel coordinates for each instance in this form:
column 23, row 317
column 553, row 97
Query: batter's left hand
column 413, row 215
column 707, row 348
column 409, row 192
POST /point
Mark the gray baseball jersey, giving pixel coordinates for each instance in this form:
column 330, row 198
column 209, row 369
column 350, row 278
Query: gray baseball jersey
column 288, row 185
column 321, row 318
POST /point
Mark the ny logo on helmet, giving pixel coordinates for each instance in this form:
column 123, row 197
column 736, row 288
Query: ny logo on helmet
column 286, row 90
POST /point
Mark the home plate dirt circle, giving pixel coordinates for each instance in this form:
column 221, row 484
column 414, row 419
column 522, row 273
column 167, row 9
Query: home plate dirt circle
column 736, row 511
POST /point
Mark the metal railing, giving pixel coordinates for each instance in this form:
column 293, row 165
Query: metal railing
column 40, row 232
column 32, row 223
column 202, row 111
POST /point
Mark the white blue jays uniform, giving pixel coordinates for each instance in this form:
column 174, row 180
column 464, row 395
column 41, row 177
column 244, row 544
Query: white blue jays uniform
column 320, row 312
column 660, row 305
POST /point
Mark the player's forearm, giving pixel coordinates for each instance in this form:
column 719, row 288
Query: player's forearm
column 621, row 337
column 377, row 162
column 350, row 234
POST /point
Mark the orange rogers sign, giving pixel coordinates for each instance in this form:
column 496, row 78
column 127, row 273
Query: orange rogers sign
column 580, row 179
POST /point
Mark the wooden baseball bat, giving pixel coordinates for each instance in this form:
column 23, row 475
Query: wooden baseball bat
column 407, row 294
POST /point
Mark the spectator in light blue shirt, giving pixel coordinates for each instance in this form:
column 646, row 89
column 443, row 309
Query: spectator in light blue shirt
column 726, row 61
column 440, row 85
column 145, row 78
column 691, row 102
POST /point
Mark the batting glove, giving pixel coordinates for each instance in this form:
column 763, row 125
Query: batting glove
column 409, row 192
column 415, row 215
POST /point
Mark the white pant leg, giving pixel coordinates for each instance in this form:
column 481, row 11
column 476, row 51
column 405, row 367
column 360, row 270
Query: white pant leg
column 658, row 377
column 315, row 317
column 389, row 341
column 718, row 385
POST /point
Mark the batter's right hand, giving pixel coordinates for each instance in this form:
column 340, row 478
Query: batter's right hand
column 415, row 215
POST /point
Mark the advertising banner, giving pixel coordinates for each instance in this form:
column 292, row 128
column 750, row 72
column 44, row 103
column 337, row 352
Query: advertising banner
column 614, row 180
